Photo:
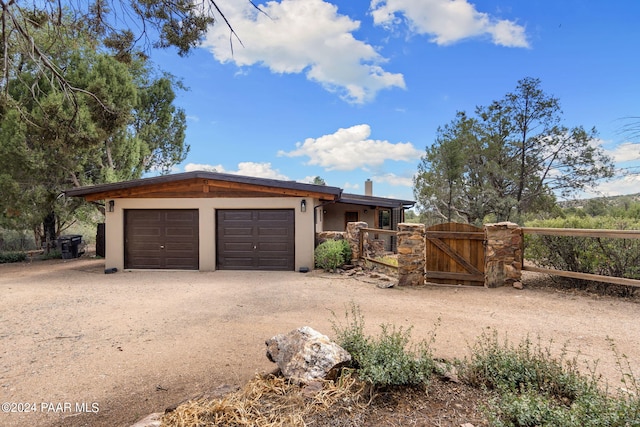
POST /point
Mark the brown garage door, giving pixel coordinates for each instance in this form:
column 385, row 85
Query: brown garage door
column 255, row 239
column 161, row 238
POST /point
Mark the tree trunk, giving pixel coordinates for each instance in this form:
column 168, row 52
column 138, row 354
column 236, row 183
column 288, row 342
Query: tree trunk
column 49, row 225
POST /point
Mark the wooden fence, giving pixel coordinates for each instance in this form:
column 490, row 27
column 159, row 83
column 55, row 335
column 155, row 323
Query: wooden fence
column 366, row 252
column 576, row 232
column 455, row 254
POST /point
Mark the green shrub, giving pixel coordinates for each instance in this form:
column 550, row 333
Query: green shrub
column 528, row 409
column 332, row 254
column 606, row 256
column 527, row 366
column 534, row 388
column 8, row 257
column 16, row 241
column 52, row 254
column 591, row 409
column 386, row 360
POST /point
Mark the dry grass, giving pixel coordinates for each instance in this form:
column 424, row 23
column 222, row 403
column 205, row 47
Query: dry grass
column 272, row 401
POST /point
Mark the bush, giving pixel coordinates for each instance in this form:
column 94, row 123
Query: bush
column 527, row 366
column 332, row 254
column 534, row 388
column 52, row 254
column 606, row 256
column 16, row 241
column 8, row 257
column 386, row 360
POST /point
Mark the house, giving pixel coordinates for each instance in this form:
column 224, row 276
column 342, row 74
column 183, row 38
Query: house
column 377, row 212
column 208, row 220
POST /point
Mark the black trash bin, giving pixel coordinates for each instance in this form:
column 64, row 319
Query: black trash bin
column 69, row 246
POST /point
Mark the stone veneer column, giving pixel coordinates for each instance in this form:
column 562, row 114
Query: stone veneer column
column 411, row 254
column 353, row 237
column 503, row 255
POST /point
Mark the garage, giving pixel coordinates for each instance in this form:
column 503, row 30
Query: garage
column 205, row 221
column 161, row 239
column 255, row 239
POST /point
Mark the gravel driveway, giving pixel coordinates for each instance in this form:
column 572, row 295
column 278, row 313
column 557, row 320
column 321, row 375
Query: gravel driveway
column 79, row 347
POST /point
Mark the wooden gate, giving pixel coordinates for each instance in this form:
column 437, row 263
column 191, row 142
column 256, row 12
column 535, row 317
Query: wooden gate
column 454, row 254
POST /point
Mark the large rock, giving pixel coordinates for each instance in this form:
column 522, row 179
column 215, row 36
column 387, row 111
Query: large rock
column 305, row 355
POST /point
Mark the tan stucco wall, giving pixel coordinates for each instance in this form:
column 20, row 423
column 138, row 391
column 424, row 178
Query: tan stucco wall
column 333, row 219
column 304, row 225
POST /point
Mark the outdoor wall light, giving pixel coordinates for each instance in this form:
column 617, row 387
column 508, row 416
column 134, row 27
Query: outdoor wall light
column 303, row 205
column 112, row 205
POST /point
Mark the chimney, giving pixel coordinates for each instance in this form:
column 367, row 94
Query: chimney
column 368, row 187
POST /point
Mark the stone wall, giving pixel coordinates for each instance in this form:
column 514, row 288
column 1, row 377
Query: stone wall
column 503, row 252
column 323, row 236
column 503, row 255
column 411, row 254
column 353, row 237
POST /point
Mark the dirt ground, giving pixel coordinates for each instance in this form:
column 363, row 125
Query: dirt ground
column 82, row 348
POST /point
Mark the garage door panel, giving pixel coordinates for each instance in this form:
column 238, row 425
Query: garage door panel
column 274, row 215
column 269, row 263
column 238, row 231
column 183, row 233
column 161, row 239
column 147, row 262
column 145, row 231
column 238, row 263
column 281, row 247
column 146, row 216
column 255, row 239
column 274, row 232
column 231, row 247
column 180, row 216
column 180, row 247
column 144, row 250
column 237, row 215
column 180, row 263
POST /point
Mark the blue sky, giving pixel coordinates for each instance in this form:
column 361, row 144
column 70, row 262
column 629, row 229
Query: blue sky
column 355, row 90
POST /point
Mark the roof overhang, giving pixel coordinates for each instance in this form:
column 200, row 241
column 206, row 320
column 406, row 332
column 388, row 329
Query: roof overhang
column 204, row 184
column 382, row 202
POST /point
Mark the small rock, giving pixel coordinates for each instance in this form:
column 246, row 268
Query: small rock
column 449, row 372
column 386, row 285
column 312, row 389
column 518, row 285
column 151, row 420
column 305, row 355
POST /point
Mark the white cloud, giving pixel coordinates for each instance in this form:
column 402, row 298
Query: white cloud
column 191, row 167
column 394, row 180
column 447, row 21
column 350, row 187
column 260, row 170
column 303, row 36
column 626, row 185
column 351, row 148
column 625, row 152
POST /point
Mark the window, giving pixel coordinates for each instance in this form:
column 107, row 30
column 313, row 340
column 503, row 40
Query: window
column 350, row 216
column 384, row 219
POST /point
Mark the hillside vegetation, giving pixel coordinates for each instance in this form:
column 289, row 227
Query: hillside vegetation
column 595, row 255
